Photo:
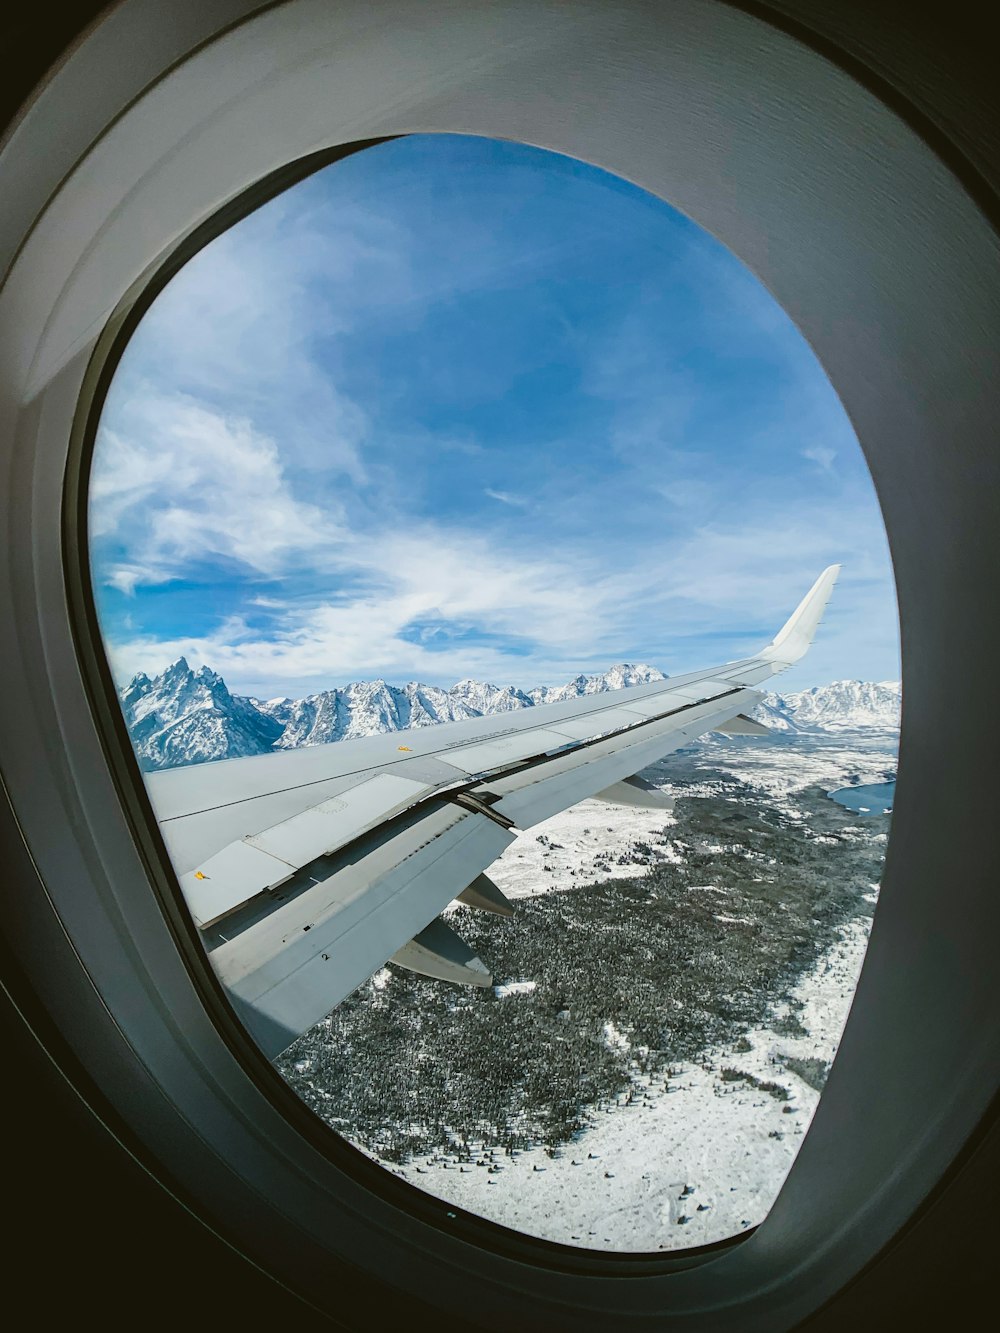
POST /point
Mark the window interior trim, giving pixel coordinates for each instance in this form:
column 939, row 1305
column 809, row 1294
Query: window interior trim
column 131, row 790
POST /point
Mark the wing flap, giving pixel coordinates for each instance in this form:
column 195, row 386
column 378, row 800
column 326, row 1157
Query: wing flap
column 290, row 967
column 505, row 749
column 533, row 795
column 265, row 860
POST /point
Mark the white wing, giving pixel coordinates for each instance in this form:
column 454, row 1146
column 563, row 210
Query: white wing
column 307, row 870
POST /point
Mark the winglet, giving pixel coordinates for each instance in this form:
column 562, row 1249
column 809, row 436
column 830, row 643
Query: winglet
column 795, row 636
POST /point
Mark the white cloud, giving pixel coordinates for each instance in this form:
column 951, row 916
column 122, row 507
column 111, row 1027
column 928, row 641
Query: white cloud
column 179, row 485
column 818, row 453
column 572, row 611
column 241, row 322
column 454, row 579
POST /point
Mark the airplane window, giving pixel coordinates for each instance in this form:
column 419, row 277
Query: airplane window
column 423, row 502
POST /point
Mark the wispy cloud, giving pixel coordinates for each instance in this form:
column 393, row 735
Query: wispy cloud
column 508, row 498
column 673, row 606
column 179, row 486
column 817, row 453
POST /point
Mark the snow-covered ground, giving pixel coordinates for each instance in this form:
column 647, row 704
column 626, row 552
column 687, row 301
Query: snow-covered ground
column 779, row 771
column 691, row 1159
column 593, row 840
column 696, row 1156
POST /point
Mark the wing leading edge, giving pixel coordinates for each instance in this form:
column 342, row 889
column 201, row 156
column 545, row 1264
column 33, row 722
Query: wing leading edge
column 307, row 871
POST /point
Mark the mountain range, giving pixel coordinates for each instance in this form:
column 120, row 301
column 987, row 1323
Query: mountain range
column 184, row 716
column 843, row 705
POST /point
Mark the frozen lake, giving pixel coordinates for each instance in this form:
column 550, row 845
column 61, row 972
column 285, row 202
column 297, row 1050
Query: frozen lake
column 873, row 799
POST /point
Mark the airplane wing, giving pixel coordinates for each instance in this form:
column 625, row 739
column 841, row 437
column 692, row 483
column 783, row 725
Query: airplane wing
column 307, row 870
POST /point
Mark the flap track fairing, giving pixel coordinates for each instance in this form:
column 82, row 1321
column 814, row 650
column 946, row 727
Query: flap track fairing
column 439, row 953
column 741, row 725
column 485, row 895
column 636, row 791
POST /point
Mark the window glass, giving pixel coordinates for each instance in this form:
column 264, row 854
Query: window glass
column 453, row 430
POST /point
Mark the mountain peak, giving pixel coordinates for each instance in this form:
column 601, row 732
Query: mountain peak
column 176, row 670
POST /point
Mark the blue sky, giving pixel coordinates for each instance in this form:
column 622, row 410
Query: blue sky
column 455, row 407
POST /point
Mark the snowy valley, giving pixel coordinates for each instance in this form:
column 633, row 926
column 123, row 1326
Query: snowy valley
column 668, row 997
column 667, row 1002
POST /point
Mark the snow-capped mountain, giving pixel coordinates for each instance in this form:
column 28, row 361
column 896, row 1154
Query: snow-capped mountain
column 615, row 678
column 844, row 705
column 480, row 698
column 368, row 708
column 188, row 717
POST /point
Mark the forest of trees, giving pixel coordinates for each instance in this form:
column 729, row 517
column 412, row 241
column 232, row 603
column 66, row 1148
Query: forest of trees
column 415, row 1066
